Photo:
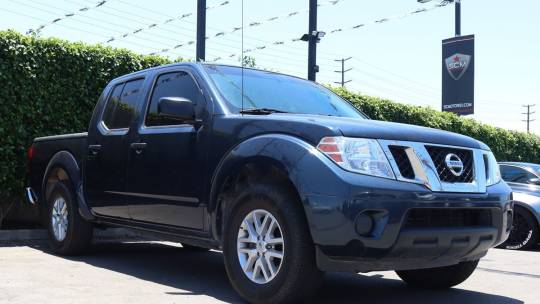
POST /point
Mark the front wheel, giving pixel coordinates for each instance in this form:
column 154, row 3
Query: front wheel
column 268, row 251
column 439, row 278
column 69, row 233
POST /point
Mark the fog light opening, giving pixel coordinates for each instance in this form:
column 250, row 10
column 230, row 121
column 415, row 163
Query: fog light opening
column 364, row 224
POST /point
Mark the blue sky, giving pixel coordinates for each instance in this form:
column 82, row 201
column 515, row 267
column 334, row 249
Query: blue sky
column 399, row 59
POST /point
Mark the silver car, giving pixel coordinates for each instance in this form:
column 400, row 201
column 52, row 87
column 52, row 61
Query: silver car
column 524, row 179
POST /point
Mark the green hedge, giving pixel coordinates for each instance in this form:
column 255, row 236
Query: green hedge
column 50, row 86
column 507, row 145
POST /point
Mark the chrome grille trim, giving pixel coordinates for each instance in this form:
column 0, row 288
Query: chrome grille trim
column 426, row 173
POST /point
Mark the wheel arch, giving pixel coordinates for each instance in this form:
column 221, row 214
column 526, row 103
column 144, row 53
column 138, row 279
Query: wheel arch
column 277, row 157
column 64, row 167
column 535, row 213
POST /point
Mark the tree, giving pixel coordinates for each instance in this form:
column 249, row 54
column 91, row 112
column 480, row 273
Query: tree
column 248, row 61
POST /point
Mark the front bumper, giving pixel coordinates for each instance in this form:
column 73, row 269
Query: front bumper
column 392, row 243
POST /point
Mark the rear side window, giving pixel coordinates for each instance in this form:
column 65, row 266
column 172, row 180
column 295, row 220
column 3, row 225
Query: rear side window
column 515, row 175
column 176, row 84
column 122, row 104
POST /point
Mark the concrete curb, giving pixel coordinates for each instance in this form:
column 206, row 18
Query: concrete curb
column 21, row 235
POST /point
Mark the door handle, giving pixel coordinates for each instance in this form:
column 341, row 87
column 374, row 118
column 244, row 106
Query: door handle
column 138, row 147
column 94, row 149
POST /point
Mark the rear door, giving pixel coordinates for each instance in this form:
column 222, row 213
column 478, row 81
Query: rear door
column 105, row 167
column 165, row 175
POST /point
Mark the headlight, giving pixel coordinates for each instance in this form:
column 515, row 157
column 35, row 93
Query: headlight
column 493, row 173
column 358, row 155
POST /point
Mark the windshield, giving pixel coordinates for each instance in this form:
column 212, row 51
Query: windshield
column 267, row 90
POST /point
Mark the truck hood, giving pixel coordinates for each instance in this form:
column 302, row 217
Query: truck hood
column 366, row 128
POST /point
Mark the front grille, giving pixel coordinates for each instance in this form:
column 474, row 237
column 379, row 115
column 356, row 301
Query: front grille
column 439, row 218
column 402, row 161
column 438, row 155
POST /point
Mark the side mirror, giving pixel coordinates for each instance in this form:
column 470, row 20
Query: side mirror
column 534, row 181
column 176, row 108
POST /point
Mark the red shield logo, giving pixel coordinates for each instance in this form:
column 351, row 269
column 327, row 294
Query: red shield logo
column 457, row 65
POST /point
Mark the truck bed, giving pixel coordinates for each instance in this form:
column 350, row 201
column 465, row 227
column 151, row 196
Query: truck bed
column 44, row 149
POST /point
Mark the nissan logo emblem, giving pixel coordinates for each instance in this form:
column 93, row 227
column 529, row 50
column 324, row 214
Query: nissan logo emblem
column 454, row 164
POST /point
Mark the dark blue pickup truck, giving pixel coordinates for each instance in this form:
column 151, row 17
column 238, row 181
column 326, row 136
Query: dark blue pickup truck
column 282, row 175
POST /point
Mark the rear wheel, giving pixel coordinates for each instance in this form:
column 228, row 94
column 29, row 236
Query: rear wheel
column 439, row 278
column 268, row 251
column 69, row 233
column 525, row 232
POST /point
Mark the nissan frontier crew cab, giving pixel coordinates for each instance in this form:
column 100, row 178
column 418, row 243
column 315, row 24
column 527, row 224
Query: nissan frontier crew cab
column 281, row 174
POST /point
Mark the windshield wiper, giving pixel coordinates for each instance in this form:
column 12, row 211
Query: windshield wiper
column 261, row 111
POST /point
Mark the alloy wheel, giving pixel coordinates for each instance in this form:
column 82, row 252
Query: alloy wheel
column 260, row 246
column 59, row 219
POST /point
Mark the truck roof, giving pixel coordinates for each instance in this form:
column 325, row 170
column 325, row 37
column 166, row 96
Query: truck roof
column 196, row 65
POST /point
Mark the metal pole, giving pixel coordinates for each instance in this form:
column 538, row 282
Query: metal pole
column 312, row 48
column 201, row 30
column 458, row 18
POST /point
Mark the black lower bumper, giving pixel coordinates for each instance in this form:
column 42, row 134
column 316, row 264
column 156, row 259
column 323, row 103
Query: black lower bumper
column 388, row 225
column 414, row 249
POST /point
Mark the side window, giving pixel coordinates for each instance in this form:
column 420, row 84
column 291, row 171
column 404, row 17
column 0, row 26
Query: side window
column 515, row 174
column 176, row 84
column 122, row 105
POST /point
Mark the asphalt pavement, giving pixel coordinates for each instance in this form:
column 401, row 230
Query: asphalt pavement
column 156, row 272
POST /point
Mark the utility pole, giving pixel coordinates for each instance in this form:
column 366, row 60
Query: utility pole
column 343, row 71
column 529, row 113
column 312, row 48
column 458, row 18
column 201, row 30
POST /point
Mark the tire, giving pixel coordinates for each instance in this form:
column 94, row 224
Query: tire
column 439, row 278
column 77, row 235
column 525, row 232
column 296, row 276
column 194, row 248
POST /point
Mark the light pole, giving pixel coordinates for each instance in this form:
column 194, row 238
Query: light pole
column 458, row 17
column 201, row 31
column 457, row 4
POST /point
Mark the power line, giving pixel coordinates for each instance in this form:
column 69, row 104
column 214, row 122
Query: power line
column 155, row 24
column 343, row 71
column 238, row 29
column 391, row 18
column 68, row 27
column 99, row 25
column 81, row 10
column 358, row 26
column 397, row 75
column 528, row 113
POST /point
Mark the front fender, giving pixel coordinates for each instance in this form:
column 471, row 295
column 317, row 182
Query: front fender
column 310, row 171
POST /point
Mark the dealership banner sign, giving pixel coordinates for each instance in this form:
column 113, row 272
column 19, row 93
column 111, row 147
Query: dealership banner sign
column 458, row 75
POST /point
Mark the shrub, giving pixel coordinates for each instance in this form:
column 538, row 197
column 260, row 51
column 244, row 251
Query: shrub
column 507, row 145
column 50, row 86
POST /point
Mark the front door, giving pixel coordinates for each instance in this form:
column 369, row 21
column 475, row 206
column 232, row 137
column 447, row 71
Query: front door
column 166, row 165
column 105, row 166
